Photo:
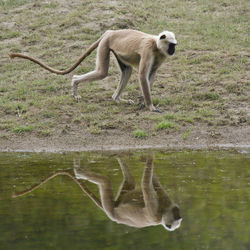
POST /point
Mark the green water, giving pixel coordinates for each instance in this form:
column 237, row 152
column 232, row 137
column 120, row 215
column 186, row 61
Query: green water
column 211, row 190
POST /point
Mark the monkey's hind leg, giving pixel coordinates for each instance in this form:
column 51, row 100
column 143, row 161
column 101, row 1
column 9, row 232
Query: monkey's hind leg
column 126, row 73
column 101, row 71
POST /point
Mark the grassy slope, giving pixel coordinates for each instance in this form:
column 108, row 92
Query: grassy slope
column 205, row 84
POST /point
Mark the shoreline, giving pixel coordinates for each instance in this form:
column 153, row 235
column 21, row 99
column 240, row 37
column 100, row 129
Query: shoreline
column 245, row 148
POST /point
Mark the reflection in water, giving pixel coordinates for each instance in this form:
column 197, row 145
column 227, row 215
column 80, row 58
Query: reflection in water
column 137, row 207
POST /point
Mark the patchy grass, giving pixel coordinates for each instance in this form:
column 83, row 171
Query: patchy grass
column 165, row 125
column 206, row 82
column 186, row 134
column 139, row 133
column 22, row 129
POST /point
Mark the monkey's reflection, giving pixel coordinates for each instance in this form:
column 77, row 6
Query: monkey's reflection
column 137, row 207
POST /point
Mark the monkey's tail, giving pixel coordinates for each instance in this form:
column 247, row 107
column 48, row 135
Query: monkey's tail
column 81, row 185
column 59, row 72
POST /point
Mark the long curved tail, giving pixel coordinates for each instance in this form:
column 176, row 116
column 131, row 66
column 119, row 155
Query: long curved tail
column 59, row 72
column 81, row 185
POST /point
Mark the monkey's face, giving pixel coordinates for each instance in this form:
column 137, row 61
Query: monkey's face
column 166, row 42
column 171, row 219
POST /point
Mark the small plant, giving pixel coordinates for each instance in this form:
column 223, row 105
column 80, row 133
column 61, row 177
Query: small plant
column 45, row 132
column 170, row 116
column 140, row 133
column 211, row 96
column 186, row 134
column 165, row 125
column 206, row 112
column 22, row 129
column 48, row 114
column 94, row 129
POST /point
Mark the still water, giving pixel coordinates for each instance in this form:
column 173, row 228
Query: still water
column 141, row 200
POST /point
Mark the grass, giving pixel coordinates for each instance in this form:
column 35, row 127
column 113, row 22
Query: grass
column 165, row 125
column 206, row 82
column 22, row 129
column 186, row 134
column 139, row 133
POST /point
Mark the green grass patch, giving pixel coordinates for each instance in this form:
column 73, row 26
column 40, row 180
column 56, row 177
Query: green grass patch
column 170, row 116
column 165, row 125
column 186, row 134
column 48, row 114
column 23, row 129
column 13, row 3
column 139, row 133
column 210, row 96
column 206, row 112
column 45, row 132
column 94, row 129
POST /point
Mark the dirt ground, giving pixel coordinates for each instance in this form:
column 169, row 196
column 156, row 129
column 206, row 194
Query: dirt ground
column 202, row 138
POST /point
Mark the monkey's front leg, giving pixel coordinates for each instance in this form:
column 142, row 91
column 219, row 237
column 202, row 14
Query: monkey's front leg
column 147, row 95
column 144, row 71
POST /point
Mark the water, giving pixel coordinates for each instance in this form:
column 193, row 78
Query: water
column 209, row 190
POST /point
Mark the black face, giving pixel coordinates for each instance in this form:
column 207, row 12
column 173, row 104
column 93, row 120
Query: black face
column 176, row 213
column 171, row 49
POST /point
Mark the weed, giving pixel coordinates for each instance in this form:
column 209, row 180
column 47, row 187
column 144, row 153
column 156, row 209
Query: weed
column 206, row 112
column 212, row 96
column 170, row 116
column 186, row 134
column 22, row 129
column 139, row 133
column 12, row 3
column 45, row 132
column 165, row 125
column 94, row 129
column 48, row 114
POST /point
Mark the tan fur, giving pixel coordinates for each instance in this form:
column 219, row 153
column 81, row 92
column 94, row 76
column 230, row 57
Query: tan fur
column 132, row 49
column 148, row 205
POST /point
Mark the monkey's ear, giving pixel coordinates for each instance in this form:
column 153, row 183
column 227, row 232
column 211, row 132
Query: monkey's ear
column 162, row 37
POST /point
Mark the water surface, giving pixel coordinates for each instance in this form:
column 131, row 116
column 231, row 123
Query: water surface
column 44, row 206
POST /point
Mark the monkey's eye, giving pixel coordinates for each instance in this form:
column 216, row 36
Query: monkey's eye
column 162, row 37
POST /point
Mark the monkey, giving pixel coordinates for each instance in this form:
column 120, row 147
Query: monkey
column 149, row 205
column 132, row 49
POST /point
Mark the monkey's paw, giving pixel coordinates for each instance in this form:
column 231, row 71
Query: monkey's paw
column 141, row 106
column 77, row 98
column 154, row 109
column 157, row 110
column 129, row 101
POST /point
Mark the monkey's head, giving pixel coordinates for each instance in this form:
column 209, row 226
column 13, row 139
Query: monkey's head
column 171, row 218
column 166, row 42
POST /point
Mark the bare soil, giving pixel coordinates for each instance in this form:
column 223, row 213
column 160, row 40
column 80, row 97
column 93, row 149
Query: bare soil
column 75, row 140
